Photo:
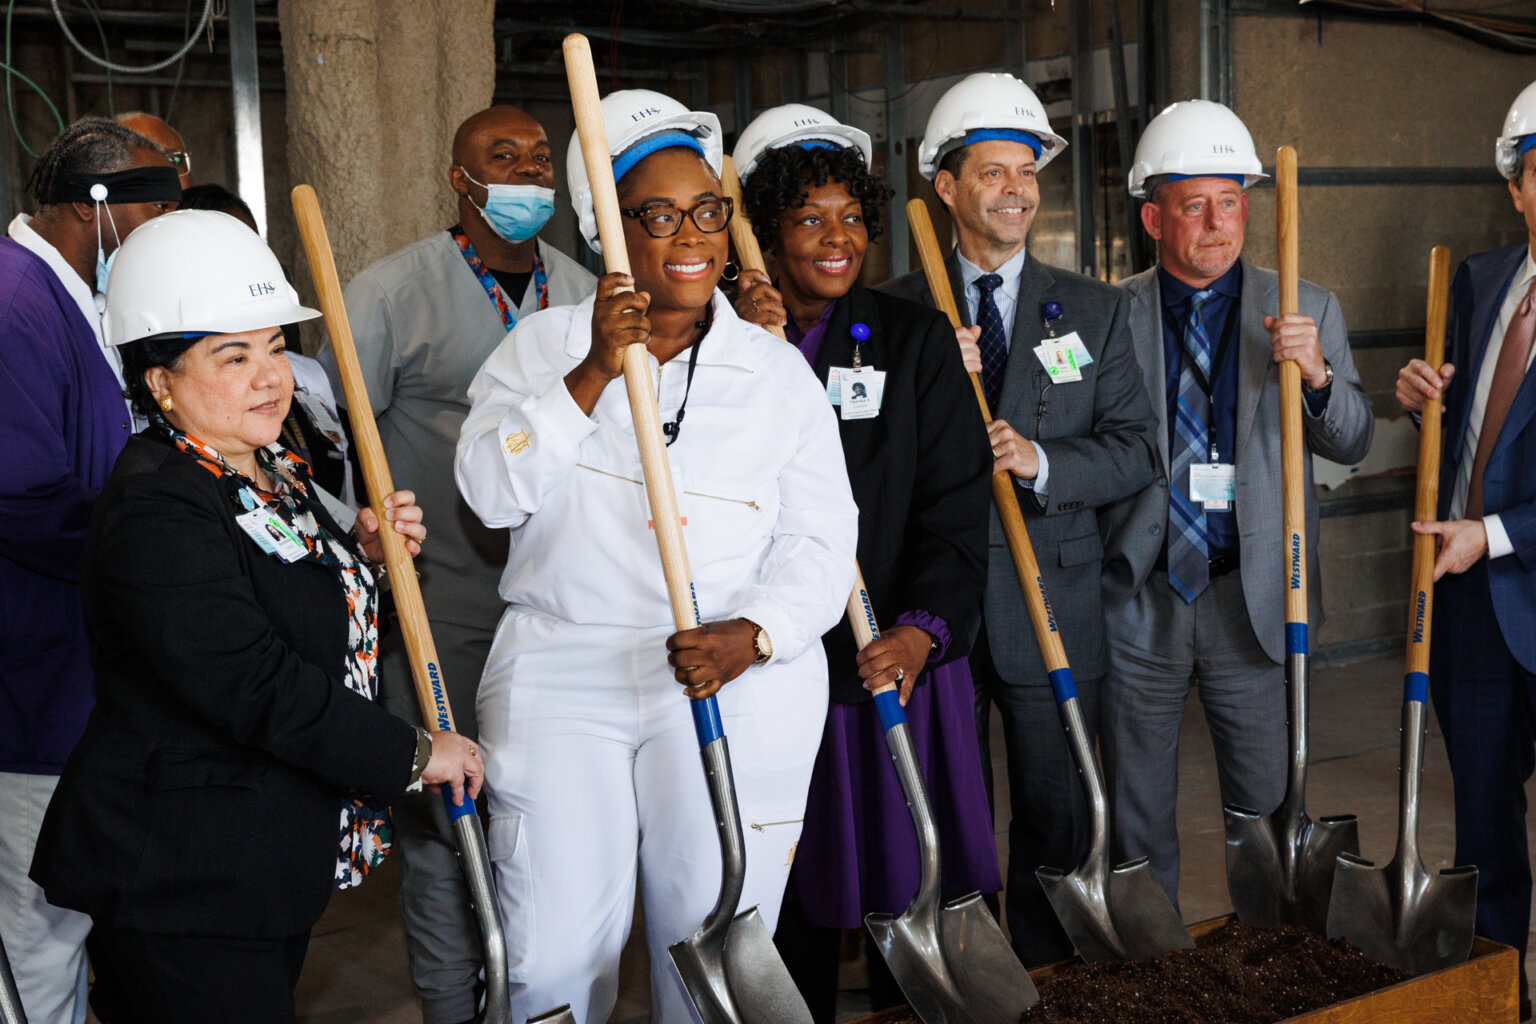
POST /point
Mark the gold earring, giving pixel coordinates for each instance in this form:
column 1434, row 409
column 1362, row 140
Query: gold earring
column 167, row 404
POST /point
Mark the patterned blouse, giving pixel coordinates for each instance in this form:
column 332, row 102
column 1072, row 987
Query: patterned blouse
column 365, row 832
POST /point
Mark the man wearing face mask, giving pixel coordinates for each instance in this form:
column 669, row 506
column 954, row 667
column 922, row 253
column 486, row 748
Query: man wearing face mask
column 424, row 319
column 63, row 420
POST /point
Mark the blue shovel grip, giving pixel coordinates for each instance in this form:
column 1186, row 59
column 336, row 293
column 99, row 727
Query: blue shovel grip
column 888, row 707
column 706, row 721
column 1416, row 687
column 1062, row 685
column 455, row 813
column 1295, row 638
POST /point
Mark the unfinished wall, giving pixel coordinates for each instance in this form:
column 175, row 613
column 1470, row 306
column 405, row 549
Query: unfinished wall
column 375, row 91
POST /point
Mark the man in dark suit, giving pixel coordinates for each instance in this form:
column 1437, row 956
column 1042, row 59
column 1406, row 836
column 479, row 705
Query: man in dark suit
column 1193, row 586
column 1073, row 443
column 1483, row 669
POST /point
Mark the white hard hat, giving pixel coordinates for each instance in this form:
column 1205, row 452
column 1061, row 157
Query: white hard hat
column 985, row 102
column 199, row 272
column 1195, row 139
column 631, row 118
column 795, row 124
column 1519, row 126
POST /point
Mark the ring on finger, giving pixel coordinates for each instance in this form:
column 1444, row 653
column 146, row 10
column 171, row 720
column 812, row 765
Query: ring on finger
column 901, row 675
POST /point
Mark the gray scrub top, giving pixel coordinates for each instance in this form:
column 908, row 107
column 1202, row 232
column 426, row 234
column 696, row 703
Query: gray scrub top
column 423, row 325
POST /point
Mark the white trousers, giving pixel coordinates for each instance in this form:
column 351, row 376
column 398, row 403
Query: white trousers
column 46, row 945
column 593, row 772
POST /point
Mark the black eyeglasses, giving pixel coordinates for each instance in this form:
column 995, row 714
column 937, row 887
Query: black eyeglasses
column 663, row 220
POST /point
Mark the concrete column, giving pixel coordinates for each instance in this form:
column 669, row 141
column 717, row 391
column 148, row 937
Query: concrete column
column 375, row 89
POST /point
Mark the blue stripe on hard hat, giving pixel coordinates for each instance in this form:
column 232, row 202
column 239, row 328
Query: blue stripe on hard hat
column 625, row 162
column 818, row 144
column 1526, row 143
column 1240, row 179
column 1029, row 139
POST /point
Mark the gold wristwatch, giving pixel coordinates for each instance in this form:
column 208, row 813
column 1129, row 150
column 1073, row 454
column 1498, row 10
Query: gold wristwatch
column 760, row 643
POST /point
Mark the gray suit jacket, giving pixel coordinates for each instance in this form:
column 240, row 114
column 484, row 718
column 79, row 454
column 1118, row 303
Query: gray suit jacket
column 1097, row 434
column 1134, row 528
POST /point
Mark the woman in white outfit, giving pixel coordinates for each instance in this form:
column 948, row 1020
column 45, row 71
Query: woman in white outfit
column 592, row 762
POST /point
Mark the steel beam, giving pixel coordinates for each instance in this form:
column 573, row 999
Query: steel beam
column 1084, row 178
column 244, row 73
column 896, row 144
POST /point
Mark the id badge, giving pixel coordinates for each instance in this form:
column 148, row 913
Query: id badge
column 324, row 420
column 862, row 389
column 1213, row 484
column 271, row 534
column 1063, row 358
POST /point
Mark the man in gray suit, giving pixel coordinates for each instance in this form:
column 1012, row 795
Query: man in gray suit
column 1193, row 586
column 1074, row 441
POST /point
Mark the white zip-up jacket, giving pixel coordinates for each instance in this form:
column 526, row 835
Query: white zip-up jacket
column 770, row 522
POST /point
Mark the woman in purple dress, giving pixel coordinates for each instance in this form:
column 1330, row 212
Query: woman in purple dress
column 919, row 463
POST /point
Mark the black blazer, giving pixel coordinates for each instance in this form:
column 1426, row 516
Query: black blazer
column 205, row 795
column 919, row 472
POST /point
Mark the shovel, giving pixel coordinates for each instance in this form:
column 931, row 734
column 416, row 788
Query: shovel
column 469, row 839
column 559, row 1015
column 1280, row 866
column 952, row 962
column 729, row 966
column 1399, row 914
column 1122, row 914
column 11, row 1011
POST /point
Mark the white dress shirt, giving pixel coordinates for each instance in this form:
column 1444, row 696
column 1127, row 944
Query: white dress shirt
column 1006, row 296
column 84, row 296
column 1499, row 543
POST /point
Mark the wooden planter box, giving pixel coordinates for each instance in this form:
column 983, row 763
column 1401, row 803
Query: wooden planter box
column 1484, row 990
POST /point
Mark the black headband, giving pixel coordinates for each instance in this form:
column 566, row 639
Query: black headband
column 135, row 185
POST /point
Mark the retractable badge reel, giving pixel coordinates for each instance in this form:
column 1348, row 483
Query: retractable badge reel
column 1063, row 358
column 861, row 387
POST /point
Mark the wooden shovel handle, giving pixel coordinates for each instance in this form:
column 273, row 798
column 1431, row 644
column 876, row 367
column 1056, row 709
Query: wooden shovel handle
column 748, row 252
column 1003, row 492
column 1292, row 449
column 588, row 107
column 426, row 670
column 1427, row 494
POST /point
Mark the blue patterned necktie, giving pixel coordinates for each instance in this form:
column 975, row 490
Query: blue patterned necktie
column 1189, row 553
column 993, row 341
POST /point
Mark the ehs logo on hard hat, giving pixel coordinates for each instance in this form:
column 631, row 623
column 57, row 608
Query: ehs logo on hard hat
column 261, row 289
column 641, row 115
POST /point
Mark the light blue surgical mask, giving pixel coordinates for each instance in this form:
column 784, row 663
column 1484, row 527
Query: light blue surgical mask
column 103, row 261
column 516, row 212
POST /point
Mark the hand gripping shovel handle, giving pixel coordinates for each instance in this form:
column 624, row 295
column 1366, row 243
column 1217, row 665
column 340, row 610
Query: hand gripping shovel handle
column 582, row 79
column 409, row 607
column 1006, row 499
column 748, row 253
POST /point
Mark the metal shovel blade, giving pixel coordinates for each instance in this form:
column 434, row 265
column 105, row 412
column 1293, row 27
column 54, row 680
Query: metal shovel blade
column 11, row 1011
column 1123, row 914
column 742, row 982
column 1401, row 914
column 1424, row 925
column 730, row 967
column 1280, row 867
column 953, row 963
column 469, row 839
column 559, row 1015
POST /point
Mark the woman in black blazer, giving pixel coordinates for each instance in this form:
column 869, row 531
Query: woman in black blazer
column 228, row 775
column 919, row 464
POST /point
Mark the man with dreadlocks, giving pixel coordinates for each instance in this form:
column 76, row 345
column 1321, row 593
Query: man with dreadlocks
column 63, row 420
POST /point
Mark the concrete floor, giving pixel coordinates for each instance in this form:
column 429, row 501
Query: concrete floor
column 357, row 971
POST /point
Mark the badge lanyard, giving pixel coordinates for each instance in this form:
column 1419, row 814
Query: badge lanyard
column 492, row 289
column 1218, row 360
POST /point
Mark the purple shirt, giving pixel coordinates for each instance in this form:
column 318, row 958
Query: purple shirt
column 809, row 342
column 62, row 425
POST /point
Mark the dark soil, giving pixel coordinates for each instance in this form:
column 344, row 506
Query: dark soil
column 1239, row 975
